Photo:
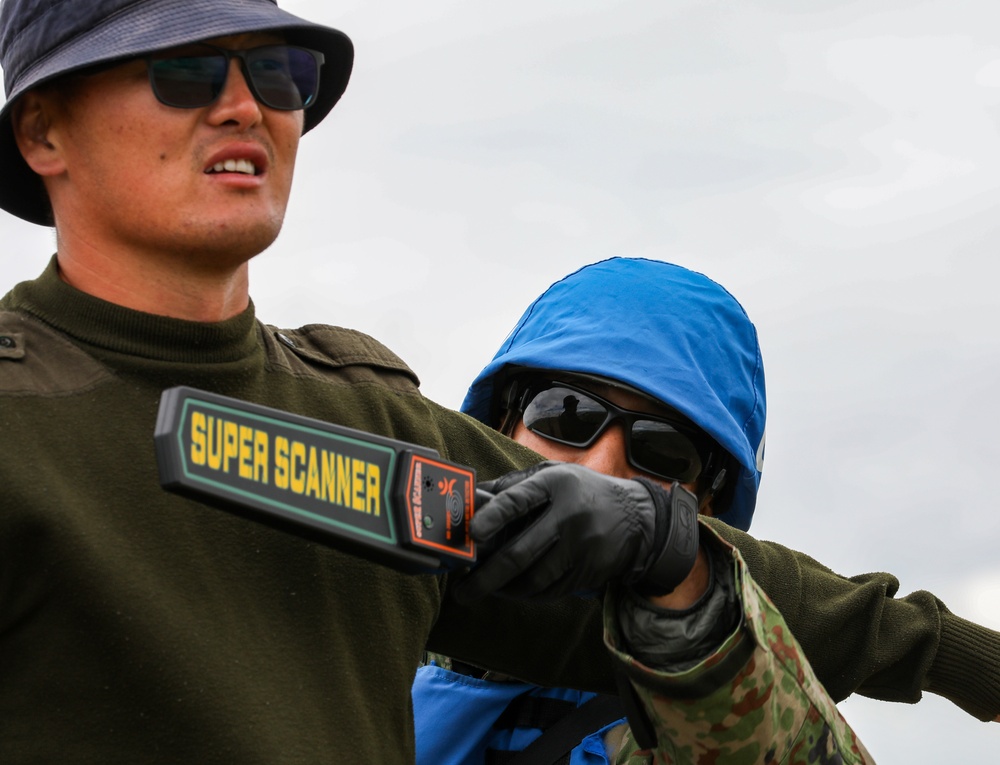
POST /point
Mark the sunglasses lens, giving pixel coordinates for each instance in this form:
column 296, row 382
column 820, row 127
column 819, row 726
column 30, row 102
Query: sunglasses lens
column 659, row 448
column 190, row 80
column 565, row 415
column 572, row 417
column 285, row 77
column 282, row 76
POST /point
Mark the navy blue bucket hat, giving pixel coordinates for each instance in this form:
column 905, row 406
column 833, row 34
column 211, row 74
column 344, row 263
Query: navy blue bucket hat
column 41, row 40
column 662, row 329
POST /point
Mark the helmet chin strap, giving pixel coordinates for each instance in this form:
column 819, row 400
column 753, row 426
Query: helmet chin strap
column 705, row 499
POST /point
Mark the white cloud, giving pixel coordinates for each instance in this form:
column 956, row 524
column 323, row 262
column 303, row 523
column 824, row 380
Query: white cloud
column 979, row 598
column 920, row 170
column 989, row 75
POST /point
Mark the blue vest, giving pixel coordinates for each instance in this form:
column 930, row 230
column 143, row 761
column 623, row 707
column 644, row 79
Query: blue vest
column 454, row 718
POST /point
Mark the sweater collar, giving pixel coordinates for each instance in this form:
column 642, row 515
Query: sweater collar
column 112, row 328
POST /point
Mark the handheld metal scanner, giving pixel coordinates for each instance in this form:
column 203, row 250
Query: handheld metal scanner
column 397, row 503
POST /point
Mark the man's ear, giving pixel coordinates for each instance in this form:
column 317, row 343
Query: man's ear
column 31, row 120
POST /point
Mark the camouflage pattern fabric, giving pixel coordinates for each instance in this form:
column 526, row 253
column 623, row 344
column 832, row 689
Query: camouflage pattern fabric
column 768, row 708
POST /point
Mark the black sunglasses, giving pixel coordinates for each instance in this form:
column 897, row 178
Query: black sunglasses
column 284, row 77
column 661, row 446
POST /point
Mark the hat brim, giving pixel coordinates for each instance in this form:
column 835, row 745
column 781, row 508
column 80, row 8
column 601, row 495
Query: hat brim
column 156, row 25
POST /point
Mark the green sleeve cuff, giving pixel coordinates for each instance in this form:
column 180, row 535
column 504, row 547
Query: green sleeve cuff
column 966, row 669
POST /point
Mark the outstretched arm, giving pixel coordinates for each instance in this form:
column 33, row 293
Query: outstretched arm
column 858, row 637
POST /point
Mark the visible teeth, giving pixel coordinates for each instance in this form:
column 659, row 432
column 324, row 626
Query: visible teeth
column 235, row 166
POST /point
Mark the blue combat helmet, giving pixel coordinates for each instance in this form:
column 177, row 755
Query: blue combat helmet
column 664, row 330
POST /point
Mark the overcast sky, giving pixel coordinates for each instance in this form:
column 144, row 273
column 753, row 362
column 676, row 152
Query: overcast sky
column 836, row 165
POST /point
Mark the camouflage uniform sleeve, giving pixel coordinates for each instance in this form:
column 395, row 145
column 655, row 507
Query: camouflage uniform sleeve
column 888, row 647
column 754, row 700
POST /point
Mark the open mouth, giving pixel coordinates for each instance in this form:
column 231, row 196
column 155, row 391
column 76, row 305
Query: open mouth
column 243, row 166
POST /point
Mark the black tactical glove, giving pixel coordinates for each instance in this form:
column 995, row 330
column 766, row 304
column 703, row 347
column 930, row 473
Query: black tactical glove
column 558, row 529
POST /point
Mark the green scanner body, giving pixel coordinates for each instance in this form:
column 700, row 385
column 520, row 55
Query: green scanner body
column 394, row 502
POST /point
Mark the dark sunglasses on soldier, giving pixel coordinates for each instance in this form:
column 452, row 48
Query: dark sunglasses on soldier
column 284, row 77
column 666, row 447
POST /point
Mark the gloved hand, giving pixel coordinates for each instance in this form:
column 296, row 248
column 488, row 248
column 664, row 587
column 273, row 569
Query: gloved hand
column 557, row 529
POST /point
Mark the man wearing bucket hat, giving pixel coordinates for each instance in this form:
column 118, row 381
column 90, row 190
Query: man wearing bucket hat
column 159, row 138
column 637, row 367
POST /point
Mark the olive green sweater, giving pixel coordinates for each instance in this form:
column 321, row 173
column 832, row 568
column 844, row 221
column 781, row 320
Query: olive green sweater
column 137, row 626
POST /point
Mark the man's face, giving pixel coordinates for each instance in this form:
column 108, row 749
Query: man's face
column 607, row 454
column 208, row 185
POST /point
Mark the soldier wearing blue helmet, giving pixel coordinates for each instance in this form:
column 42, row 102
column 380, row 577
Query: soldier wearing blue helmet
column 637, row 367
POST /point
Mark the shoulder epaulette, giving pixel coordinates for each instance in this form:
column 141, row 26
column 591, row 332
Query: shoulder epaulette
column 35, row 359
column 337, row 347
